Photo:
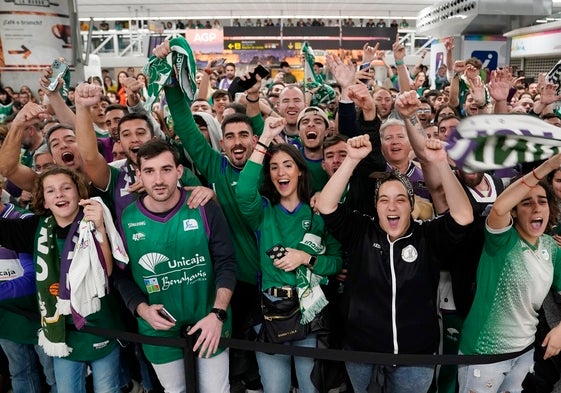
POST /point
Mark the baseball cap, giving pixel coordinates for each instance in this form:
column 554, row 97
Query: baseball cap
column 312, row 110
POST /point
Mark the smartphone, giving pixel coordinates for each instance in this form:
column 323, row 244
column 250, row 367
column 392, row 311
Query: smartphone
column 219, row 62
column 364, row 66
column 276, row 252
column 166, row 315
column 260, row 70
column 59, row 69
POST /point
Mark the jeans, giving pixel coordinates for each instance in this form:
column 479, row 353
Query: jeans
column 275, row 369
column 505, row 376
column 401, row 379
column 24, row 371
column 71, row 375
column 212, row 374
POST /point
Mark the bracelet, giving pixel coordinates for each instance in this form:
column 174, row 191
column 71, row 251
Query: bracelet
column 270, row 113
column 536, row 176
column 252, row 101
column 265, row 153
column 481, row 106
column 526, row 184
column 263, row 145
column 399, row 62
column 208, row 71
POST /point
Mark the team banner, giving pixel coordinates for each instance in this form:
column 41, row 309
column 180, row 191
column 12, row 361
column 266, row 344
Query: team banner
column 489, row 142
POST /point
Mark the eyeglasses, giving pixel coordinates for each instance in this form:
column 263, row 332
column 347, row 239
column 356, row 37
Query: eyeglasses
column 44, row 167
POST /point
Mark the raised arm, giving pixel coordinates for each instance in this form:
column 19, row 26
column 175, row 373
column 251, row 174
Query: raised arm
column 357, row 148
column 407, row 104
column 458, row 202
column 10, row 166
column 500, row 217
column 62, row 111
column 95, row 165
column 402, row 71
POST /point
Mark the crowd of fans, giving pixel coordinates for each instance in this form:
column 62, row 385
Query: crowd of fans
column 206, row 213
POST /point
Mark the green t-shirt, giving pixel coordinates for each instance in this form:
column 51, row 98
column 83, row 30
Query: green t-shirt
column 223, row 177
column 513, row 279
column 276, row 225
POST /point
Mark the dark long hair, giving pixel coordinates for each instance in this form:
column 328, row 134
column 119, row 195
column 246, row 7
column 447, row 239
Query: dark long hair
column 304, row 189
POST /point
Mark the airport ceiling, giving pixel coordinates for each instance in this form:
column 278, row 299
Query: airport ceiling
column 214, row 9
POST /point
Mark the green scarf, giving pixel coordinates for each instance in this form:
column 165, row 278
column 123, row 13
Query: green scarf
column 160, row 72
column 311, row 297
column 52, row 335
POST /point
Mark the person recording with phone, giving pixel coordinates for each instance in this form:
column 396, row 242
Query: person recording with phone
column 296, row 252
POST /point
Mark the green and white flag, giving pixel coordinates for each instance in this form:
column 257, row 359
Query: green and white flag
column 180, row 64
column 322, row 93
column 309, row 60
column 489, row 142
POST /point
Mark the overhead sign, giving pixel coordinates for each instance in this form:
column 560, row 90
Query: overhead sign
column 249, row 44
column 205, row 40
column 318, row 37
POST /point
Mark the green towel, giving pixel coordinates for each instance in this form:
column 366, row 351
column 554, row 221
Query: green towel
column 160, row 72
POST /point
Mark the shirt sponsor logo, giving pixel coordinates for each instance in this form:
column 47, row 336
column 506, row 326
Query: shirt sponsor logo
column 151, row 285
column 136, row 224
column 138, row 236
column 190, row 224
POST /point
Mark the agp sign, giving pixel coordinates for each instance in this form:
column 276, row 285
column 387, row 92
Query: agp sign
column 205, row 40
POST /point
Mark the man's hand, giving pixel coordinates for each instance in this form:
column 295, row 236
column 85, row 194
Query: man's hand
column 150, row 314
column 88, row 95
column 369, row 53
column 211, row 329
column 199, row 196
column 30, row 114
column 361, row 97
column 499, row 85
column 273, row 127
column 45, row 81
column 398, row 49
column 549, row 94
column 407, row 103
column 343, row 73
column 358, row 147
column 132, row 88
column 162, row 50
column 477, row 89
column 459, row 66
column 449, row 43
column 137, row 186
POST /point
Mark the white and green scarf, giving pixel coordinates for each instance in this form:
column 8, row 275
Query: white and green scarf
column 180, row 64
column 310, row 295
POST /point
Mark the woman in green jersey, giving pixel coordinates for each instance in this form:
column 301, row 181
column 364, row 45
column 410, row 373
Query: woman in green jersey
column 283, row 219
column 518, row 265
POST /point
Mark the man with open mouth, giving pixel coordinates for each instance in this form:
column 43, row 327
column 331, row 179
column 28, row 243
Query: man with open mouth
column 312, row 124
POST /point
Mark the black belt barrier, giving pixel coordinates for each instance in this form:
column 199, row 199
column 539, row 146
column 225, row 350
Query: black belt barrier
column 187, row 343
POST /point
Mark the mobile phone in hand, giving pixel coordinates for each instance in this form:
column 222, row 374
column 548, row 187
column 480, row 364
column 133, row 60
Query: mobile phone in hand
column 166, row 315
column 260, row 70
column 364, row 66
column 59, row 69
column 276, row 252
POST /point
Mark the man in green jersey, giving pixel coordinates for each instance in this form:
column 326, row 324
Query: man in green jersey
column 183, row 261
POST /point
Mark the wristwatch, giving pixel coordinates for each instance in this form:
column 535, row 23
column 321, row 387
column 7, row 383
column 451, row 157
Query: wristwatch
column 220, row 314
column 312, row 261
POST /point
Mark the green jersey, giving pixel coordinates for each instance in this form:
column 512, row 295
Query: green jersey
column 276, row 225
column 223, row 177
column 171, row 263
column 513, row 279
